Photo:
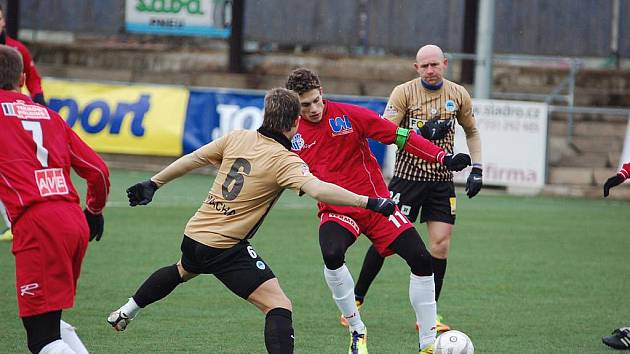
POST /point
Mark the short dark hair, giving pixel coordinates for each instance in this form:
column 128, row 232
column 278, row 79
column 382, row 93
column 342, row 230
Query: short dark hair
column 11, row 68
column 282, row 108
column 302, row 80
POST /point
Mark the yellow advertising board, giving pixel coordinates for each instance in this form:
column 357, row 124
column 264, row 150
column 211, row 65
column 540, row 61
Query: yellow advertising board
column 126, row 119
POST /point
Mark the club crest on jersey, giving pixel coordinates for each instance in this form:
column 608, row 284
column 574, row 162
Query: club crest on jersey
column 450, row 106
column 21, row 110
column 297, row 143
column 340, row 125
column 51, row 181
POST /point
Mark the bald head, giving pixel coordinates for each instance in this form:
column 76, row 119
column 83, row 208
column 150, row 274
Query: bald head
column 430, row 64
column 10, row 68
column 429, row 51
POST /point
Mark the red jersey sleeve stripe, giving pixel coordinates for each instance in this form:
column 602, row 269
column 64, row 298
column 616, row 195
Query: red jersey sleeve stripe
column 6, row 181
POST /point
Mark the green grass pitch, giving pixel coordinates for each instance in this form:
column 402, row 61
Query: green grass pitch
column 525, row 275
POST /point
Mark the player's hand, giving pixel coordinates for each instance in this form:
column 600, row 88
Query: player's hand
column 141, row 193
column 436, row 129
column 612, row 182
column 456, row 162
column 474, row 182
column 383, row 206
column 96, row 224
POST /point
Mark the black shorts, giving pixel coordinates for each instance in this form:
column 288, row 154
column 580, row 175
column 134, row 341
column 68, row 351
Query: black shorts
column 435, row 201
column 239, row 268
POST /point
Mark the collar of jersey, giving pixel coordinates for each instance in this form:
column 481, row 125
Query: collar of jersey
column 430, row 87
column 279, row 137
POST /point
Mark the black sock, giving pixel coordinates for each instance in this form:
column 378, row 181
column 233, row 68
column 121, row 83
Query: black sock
column 439, row 269
column 372, row 264
column 42, row 330
column 161, row 283
column 279, row 331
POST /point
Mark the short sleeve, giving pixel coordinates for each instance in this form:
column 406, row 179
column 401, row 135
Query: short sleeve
column 292, row 172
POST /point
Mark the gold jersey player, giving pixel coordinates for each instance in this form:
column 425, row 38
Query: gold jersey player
column 254, row 167
column 430, row 105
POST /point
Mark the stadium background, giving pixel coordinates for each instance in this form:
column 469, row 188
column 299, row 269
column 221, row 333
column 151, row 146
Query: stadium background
column 531, row 274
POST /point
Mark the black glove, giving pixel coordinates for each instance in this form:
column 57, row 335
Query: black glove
column 436, row 129
column 39, row 98
column 381, row 205
column 474, row 182
column 141, row 193
column 96, row 224
column 457, row 162
column 612, row 182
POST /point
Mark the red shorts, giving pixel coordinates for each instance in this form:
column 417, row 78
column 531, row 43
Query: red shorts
column 381, row 230
column 49, row 242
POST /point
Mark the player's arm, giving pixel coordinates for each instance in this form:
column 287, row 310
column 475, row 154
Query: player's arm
column 33, row 79
column 333, row 194
column 617, row 179
column 467, row 120
column 386, row 132
column 210, row 154
column 87, row 164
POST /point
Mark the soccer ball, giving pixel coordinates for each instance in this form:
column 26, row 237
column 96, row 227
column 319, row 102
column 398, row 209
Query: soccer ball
column 453, row 342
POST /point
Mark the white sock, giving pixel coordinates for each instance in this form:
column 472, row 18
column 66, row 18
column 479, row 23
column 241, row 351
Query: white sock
column 57, row 347
column 70, row 337
column 422, row 297
column 342, row 287
column 130, row 308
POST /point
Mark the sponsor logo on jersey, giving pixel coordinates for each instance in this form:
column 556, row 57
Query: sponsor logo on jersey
column 21, row 110
column 28, row 289
column 340, row 125
column 51, row 181
column 450, row 106
column 346, row 220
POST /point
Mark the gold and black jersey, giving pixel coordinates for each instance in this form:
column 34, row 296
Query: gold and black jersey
column 253, row 170
column 410, row 105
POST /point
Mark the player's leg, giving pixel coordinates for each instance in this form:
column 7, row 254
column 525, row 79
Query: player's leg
column 438, row 211
column 158, row 285
column 408, row 195
column 410, row 247
column 43, row 333
column 48, row 256
column 334, row 240
column 247, row 275
column 70, row 337
column 372, row 264
column 276, row 306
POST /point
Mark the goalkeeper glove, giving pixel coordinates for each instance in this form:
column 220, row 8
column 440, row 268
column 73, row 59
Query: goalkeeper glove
column 474, row 182
column 436, row 129
column 96, row 224
column 141, row 193
column 612, row 182
column 456, row 162
column 381, row 205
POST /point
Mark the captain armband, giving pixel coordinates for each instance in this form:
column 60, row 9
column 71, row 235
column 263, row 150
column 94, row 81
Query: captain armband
column 402, row 135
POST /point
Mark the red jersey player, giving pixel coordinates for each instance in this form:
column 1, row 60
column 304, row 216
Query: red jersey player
column 332, row 140
column 33, row 80
column 617, row 179
column 50, row 230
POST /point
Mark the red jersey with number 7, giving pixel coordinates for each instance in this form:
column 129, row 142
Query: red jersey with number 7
column 38, row 150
